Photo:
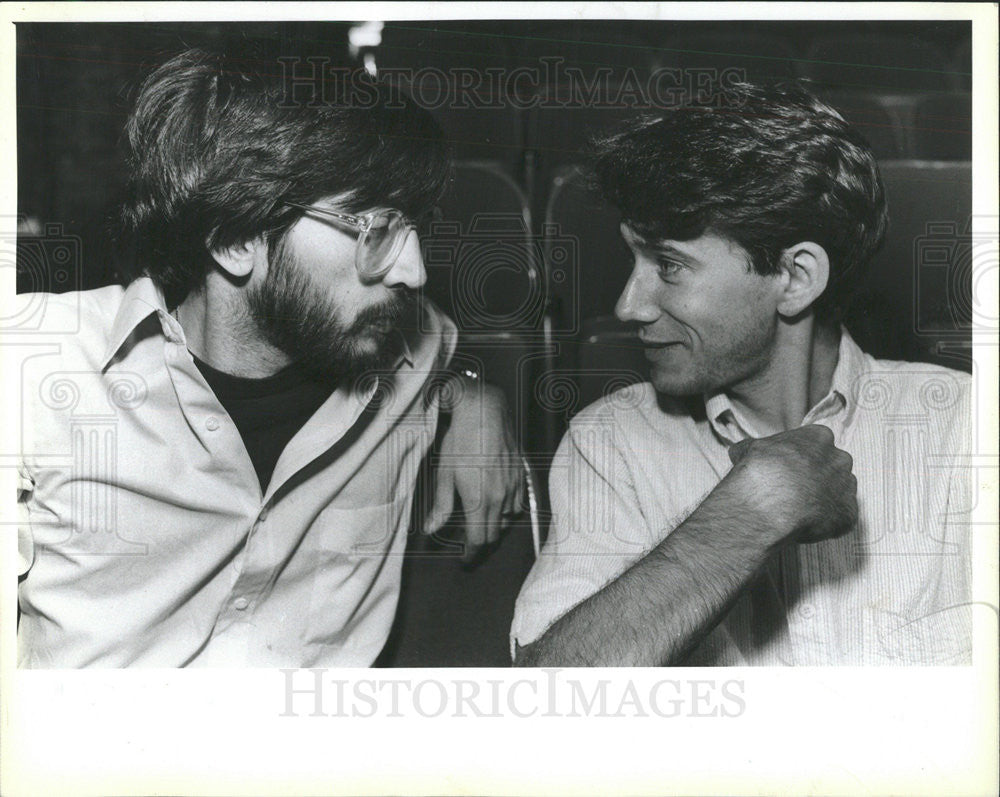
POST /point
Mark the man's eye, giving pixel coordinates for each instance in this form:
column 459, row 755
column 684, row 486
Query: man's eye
column 668, row 268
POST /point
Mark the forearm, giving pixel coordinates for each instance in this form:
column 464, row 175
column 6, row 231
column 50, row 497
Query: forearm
column 659, row 609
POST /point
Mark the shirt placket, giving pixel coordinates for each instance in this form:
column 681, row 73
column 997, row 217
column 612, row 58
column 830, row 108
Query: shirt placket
column 218, row 434
column 258, row 559
column 231, row 637
column 772, row 593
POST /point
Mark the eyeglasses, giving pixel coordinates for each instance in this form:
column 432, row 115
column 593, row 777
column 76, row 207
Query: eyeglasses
column 380, row 239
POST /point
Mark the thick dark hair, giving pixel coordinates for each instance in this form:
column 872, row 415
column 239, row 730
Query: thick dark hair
column 216, row 145
column 767, row 168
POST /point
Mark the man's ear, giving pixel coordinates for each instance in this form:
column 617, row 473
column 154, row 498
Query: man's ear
column 236, row 260
column 807, row 271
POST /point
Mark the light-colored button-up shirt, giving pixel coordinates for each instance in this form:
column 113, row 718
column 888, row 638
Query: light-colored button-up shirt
column 895, row 590
column 146, row 539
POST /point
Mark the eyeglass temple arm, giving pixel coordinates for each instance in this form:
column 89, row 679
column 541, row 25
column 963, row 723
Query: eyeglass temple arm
column 358, row 220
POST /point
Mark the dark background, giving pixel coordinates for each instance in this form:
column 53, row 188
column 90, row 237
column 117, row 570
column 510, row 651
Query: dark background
column 531, row 266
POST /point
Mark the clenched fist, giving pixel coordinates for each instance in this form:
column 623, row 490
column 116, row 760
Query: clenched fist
column 799, row 479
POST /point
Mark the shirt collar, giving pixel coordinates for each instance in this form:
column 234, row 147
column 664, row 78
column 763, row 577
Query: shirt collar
column 141, row 299
column 407, row 354
column 729, row 423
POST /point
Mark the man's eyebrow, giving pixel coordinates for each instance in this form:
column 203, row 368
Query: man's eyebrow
column 663, row 248
column 659, row 246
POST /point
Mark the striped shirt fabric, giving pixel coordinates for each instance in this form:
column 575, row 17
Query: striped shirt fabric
column 895, row 590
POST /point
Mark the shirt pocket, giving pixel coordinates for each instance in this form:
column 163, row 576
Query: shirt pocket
column 361, row 531
column 354, row 582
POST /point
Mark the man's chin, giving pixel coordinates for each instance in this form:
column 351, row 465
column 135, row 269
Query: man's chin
column 375, row 352
column 677, row 384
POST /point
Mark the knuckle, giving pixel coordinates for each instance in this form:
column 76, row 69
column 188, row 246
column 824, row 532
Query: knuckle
column 821, row 433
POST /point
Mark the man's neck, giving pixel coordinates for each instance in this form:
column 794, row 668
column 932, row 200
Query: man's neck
column 220, row 332
column 798, row 376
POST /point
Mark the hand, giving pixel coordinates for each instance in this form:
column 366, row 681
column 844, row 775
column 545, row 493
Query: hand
column 801, row 480
column 491, row 494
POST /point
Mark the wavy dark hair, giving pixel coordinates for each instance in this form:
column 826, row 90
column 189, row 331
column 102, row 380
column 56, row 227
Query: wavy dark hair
column 217, row 143
column 769, row 167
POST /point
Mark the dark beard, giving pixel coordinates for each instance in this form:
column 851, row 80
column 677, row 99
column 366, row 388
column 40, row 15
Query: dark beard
column 289, row 313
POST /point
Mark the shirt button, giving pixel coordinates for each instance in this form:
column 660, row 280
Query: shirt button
column 212, row 424
column 263, row 514
column 241, row 603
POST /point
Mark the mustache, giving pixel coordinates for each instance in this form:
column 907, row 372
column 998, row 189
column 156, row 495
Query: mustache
column 398, row 308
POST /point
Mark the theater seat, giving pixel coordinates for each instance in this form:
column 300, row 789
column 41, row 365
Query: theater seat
column 587, row 263
column 482, row 260
column 483, row 268
column 557, row 136
column 450, row 614
column 596, row 354
column 455, row 616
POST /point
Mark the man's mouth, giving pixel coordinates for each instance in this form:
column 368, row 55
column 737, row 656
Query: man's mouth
column 658, row 344
column 388, row 317
column 382, row 324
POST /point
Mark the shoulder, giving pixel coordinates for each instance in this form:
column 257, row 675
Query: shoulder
column 910, row 387
column 635, row 413
column 935, row 399
column 72, row 313
column 59, row 368
column 908, row 368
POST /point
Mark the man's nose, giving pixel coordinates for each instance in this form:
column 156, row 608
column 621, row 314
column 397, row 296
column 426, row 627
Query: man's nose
column 636, row 302
column 409, row 268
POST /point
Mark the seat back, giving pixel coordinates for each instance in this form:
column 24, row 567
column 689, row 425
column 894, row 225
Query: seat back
column 596, row 353
column 482, row 259
column 587, row 263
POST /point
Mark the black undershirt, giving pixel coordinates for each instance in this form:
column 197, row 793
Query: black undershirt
column 269, row 411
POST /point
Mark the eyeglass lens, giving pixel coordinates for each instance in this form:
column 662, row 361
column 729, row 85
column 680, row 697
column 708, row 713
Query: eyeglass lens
column 382, row 243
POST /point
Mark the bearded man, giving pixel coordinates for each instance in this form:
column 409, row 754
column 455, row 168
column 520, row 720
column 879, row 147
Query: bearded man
column 218, row 460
